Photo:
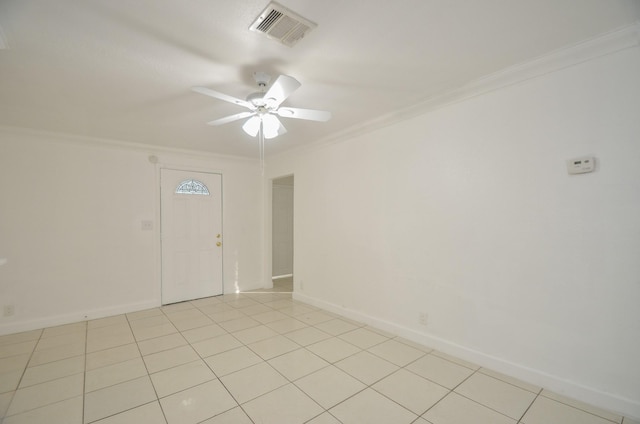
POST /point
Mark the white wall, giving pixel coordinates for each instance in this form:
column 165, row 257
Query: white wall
column 282, row 229
column 467, row 213
column 70, row 226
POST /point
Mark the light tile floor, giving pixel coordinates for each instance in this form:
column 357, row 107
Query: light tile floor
column 256, row 357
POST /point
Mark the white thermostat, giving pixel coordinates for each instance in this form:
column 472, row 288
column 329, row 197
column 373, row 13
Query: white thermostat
column 581, row 165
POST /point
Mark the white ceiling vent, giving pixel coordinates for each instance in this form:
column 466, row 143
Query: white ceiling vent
column 281, row 24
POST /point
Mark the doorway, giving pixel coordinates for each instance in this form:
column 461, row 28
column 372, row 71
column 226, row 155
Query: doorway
column 282, row 233
column 191, row 235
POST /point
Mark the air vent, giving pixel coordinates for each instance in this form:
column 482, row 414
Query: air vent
column 281, row 24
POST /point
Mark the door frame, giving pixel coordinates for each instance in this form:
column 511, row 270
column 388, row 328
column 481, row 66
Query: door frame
column 158, row 170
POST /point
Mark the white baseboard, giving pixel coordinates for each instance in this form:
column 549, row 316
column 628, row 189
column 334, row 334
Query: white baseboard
column 37, row 323
column 248, row 287
column 620, row 405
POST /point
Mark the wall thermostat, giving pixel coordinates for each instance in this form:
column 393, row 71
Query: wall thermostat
column 581, row 165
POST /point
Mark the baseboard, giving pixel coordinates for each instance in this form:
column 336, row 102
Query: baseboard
column 278, row 277
column 627, row 407
column 34, row 324
column 249, row 287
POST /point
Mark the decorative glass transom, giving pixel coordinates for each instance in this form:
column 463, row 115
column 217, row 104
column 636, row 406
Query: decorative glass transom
column 192, row 187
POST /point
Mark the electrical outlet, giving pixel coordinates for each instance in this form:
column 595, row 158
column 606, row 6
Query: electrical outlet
column 423, row 318
column 9, row 310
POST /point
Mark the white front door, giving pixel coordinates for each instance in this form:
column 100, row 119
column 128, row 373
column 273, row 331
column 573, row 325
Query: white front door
column 191, row 228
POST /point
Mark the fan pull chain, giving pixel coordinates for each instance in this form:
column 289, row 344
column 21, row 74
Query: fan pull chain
column 261, row 146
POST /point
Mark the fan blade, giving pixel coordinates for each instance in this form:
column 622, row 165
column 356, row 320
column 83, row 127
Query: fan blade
column 280, row 90
column 231, row 118
column 216, row 94
column 281, row 128
column 309, row 114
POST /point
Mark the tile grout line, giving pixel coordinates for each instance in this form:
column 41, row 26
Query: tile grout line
column 333, row 406
column 312, row 352
column 115, row 384
column 33, row 351
column 147, row 369
column 141, row 356
column 367, row 386
column 579, row 408
column 476, row 371
column 530, row 405
column 84, row 376
column 450, row 390
column 24, row 370
column 300, row 347
column 271, row 366
column 239, row 405
column 338, row 336
column 26, row 367
column 488, row 407
column 289, row 382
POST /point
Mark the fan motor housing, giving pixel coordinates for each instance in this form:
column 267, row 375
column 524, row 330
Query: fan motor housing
column 256, row 99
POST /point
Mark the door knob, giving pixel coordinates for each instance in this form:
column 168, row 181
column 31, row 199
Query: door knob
column 218, row 236
column 218, row 244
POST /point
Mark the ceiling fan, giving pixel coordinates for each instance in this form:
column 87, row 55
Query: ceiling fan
column 264, row 107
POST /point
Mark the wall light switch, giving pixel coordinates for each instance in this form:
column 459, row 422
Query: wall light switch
column 581, row 165
column 147, row 225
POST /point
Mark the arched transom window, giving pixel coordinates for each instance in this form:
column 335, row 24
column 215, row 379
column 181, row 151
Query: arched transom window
column 192, row 187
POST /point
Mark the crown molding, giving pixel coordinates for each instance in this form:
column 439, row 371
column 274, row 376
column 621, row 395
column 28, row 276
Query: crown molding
column 557, row 60
column 66, row 138
column 605, row 44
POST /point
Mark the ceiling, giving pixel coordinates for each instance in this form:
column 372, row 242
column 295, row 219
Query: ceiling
column 123, row 69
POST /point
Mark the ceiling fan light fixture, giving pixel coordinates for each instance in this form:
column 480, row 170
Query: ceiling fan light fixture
column 252, row 126
column 270, row 126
